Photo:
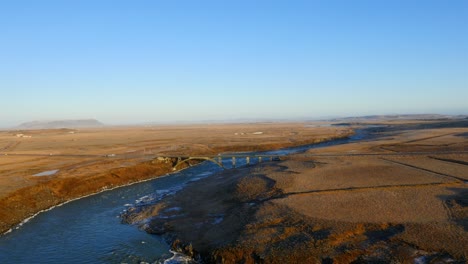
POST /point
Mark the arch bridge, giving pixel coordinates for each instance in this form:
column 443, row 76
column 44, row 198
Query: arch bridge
column 219, row 159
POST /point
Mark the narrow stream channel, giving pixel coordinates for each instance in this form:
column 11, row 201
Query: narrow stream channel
column 89, row 230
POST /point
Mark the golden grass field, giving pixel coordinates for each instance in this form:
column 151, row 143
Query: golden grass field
column 398, row 197
column 84, row 167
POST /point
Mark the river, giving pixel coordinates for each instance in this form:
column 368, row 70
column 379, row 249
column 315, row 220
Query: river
column 89, row 230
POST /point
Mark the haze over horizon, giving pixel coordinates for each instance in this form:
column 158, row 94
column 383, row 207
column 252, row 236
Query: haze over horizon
column 160, row 61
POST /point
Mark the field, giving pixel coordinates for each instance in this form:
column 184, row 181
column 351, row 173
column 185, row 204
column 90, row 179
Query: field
column 90, row 160
column 398, row 196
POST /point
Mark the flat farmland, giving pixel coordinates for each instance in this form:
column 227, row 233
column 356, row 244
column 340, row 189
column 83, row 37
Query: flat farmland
column 398, row 195
column 80, row 162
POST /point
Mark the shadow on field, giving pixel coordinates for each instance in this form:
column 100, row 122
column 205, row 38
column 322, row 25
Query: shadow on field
column 457, row 206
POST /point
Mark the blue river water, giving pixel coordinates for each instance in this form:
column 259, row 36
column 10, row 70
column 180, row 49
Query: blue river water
column 89, row 230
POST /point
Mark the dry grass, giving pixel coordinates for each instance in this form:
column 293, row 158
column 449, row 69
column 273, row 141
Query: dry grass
column 437, row 166
column 302, row 210
column 131, row 143
column 134, row 148
column 417, row 204
column 355, row 172
column 343, row 209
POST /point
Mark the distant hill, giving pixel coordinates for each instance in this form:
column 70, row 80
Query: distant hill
column 82, row 123
column 398, row 117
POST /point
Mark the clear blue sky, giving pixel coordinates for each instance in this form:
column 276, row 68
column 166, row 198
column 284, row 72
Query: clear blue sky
column 137, row 61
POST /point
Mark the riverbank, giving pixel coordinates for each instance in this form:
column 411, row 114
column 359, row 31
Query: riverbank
column 400, row 208
column 77, row 178
column 28, row 201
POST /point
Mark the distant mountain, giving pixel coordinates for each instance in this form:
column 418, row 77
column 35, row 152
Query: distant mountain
column 83, row 123
column 398, row 117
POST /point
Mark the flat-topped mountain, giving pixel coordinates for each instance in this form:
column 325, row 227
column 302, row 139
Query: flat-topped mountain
column 81, row 123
